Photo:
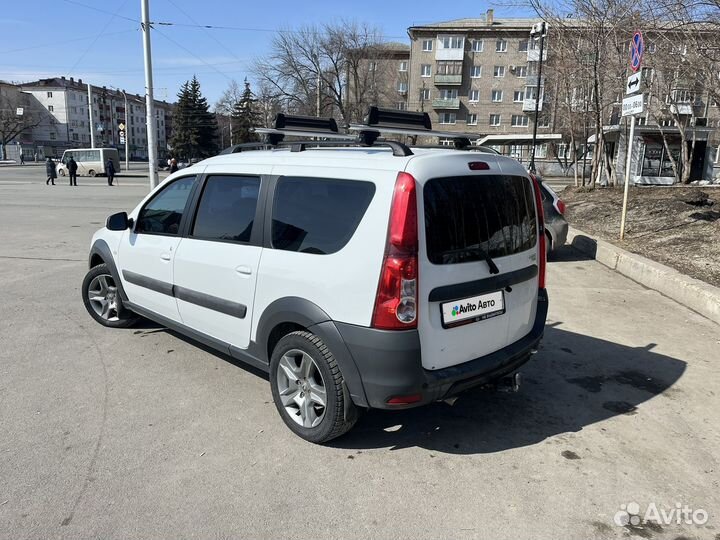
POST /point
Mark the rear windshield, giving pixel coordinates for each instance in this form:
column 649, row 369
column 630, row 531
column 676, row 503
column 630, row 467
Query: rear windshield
column 467, row 217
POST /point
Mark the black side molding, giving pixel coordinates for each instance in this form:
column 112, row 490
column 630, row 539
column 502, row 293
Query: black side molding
column 447, row 293
column 210, row 302
column 148, row 283
column 214, row 303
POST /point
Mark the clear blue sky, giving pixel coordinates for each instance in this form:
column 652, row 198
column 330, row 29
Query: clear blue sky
column 95, row 40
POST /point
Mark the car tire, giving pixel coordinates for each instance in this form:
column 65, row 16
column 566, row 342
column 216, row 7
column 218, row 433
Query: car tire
column 62, row 172
column 308, row 388
column 92, row 173
column 102, row 299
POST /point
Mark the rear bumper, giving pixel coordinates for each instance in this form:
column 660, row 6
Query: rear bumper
column 390, row 364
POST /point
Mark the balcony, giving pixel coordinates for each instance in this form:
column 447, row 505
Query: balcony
column 532, row 80
column 529, row 105
column 534, row 54
column 449, row 54
column 446, row 103
column 450, row 80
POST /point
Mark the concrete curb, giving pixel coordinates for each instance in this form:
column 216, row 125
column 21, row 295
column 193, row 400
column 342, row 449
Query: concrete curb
column 690, row 292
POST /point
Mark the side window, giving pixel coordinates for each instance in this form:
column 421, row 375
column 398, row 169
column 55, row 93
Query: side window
column 163, row 213
column 227, row 208
column 317, row 215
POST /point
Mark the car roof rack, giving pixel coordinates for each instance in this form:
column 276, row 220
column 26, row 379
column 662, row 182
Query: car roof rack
column 393, row 122
column 320, row 128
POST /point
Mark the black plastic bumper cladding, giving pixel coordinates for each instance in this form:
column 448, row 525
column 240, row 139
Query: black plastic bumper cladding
column 390, row 362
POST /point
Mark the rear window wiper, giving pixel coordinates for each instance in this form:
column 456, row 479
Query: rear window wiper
column 480, row 251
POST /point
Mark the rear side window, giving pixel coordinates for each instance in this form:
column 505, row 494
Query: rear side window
column 227, row 208
column 162, row 215
column 318, row 215
column 468, row 216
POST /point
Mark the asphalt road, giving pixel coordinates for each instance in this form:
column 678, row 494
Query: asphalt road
column 141, row 433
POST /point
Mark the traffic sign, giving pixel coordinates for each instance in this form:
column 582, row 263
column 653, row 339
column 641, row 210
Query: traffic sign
column 633, row 83
column 19, row 111
column 637, row 48
column 121, row 127
column 633, row 105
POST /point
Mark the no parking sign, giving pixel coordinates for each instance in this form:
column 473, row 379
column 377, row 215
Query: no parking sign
column 637, row 48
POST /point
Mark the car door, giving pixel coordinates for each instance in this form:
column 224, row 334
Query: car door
column 216, row 264
column 147, row 251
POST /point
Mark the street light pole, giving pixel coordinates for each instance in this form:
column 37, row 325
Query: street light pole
column 127, row 128
column 92, row 123
column 149, row 99
column 541, row 27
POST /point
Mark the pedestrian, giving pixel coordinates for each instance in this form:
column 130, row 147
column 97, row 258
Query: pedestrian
column 72, row 168
column 110, row 171
column 22, row 158
column 51, row 172
column 35, row 156
column 173, row 165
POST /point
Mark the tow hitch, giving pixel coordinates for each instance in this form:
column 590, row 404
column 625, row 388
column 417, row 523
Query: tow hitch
column 509, row 383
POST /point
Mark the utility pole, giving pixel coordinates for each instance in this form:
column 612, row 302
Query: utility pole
column 318, row 92
column 149, row 100
column 127, row 138
column 540, row 27
column 92, row 122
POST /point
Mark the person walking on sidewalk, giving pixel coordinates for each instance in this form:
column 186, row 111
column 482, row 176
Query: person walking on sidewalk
column 72, row 168
column 110, row 171
column 50, row 170
column 22, row 158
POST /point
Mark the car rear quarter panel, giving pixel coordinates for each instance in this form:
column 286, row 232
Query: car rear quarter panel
column 342, row 284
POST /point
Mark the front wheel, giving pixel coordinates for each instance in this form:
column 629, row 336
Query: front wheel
column 307, row 388
column 102, row 299
column 92, row 173
column 62, row 172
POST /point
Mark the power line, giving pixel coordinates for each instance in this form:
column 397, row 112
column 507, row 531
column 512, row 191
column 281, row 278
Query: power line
column 227, row 49
column 102, row 10
column 218, row 27
column 54, row 43
column 98, row 36
column 192, row 53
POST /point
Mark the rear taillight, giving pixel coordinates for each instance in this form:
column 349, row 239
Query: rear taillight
column 541, row 233
column 560, row 206
column 396, row 301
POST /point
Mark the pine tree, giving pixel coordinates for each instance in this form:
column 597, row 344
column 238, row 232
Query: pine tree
column 194, row 126
column 244, row 118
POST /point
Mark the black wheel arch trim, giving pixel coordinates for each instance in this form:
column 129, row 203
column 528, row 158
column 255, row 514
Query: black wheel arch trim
column 309, row 315
column 101, row 249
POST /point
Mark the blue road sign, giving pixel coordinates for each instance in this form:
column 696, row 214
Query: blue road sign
column 637, row 48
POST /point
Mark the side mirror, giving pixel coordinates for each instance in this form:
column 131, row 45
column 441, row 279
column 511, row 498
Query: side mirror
column 118, row 222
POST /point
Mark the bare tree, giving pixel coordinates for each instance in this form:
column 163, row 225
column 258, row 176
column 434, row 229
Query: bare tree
column 312, row 69
column 15, row 115
column 223, row 110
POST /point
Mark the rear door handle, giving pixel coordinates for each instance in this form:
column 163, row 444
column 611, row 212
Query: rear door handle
column 165, row 256
column 242, row 269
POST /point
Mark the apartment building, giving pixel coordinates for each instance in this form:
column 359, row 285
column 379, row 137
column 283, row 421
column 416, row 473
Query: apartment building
column 66, row 122
column 478, row 76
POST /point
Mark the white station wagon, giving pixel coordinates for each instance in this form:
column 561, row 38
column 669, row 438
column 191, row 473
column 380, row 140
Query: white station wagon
column 358, row 273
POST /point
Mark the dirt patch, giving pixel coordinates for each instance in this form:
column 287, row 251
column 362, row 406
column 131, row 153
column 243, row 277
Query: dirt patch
column 676, row 226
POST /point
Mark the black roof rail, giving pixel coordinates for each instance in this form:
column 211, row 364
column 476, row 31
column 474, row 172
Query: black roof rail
column 399, row 149
column 236, row 148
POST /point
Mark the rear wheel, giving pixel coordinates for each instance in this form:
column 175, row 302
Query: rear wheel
column 102, row 299
column 62, row 172
column 307, row 388
column 92, row 172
